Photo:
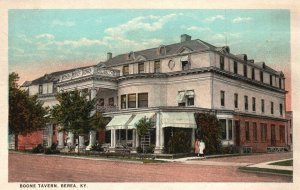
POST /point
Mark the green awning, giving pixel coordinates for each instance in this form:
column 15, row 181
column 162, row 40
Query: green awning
column 178, row 119
column 119, row 122
column 139, row 116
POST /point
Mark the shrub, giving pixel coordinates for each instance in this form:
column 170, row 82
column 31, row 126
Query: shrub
column 51, row 151
column 179, row 143
column 139, row 149
column 38, row 149
column 97, row 147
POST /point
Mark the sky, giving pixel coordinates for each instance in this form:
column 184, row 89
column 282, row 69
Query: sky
column 46, row 40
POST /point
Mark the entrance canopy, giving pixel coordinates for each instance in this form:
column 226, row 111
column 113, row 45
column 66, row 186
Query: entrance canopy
column 119, row 122
column 139, row 116
column 178, row 119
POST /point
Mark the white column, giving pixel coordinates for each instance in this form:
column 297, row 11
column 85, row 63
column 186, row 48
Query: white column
column 157, row 133
column 50, row 135
column 111, row 138
column 92, row 140
column 93, row 93
column 60, row 139
column 71, row 139
column 193, row 138
column 137, row 140
column 226, row 128
column 81, row 142
column 162, row 139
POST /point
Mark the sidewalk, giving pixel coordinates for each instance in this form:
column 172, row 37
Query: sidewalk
column 266, row 165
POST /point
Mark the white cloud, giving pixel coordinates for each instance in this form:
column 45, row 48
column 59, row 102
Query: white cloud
column 241, row 19
column 81, row 42
column 148, row 23
column 45, row 36
column 63, row 23
column 196, row 28
column 212, row 19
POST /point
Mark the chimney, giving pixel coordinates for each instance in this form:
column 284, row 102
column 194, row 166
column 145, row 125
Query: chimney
column 185, row 37
column 109, row 56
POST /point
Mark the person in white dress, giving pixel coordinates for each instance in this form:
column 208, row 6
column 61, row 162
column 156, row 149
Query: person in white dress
column 201, row 148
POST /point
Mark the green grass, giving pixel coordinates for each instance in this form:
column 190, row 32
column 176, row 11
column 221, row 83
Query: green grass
column 266, row 170
column 283, row 163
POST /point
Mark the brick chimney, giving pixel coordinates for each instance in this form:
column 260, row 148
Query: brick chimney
column 185, row 37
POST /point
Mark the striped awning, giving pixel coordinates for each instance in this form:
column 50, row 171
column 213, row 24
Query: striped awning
column 178, row 119
column 119, row 122
column 139, row 116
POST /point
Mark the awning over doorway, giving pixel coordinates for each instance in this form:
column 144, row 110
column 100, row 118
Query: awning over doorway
column 139, row 116
column 119, row 122
column 178, row 119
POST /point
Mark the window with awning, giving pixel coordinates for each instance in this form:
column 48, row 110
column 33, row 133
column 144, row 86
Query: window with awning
column 138, row 117
column 178, row 119
column 119, row 122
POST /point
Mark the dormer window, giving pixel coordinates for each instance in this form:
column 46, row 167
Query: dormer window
column 141, row 68
column 253, row 74
column 185, row 65
column 271, row 80
column 245, row 71
column 125, row 69
column 235, row 67
column 261, row 76
column 157, row 66
column 40, row 89
column 222, row 62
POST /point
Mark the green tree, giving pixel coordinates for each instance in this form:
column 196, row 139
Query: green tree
column 143, row 128
column 208, row 129
column 73, row 113
column 26, row 113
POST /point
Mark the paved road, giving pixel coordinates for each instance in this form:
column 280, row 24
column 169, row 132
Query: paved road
column 41, row 168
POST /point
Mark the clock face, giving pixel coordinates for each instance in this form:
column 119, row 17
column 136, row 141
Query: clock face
column 171, row 64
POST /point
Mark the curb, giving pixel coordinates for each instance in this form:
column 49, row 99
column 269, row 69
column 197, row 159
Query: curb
column 265, row 172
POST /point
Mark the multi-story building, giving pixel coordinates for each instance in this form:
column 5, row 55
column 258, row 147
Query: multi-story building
column 169, row 84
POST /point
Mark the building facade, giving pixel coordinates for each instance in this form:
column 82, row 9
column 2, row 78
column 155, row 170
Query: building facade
column 169, row 84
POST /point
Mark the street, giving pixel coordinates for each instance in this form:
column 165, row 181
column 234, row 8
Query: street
column 42, row 168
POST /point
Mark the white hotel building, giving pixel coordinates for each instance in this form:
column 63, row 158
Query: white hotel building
column 169, row 84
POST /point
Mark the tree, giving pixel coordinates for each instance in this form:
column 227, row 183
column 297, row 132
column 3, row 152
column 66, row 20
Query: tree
column 208, row 129
column 73, row 113
column 143, row 127
column 26, row 113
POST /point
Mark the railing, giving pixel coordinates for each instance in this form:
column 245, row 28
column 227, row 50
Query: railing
column 90, row 71
column 107, row 108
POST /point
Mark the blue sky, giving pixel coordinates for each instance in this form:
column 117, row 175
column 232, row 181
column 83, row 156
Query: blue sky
column 43, row 41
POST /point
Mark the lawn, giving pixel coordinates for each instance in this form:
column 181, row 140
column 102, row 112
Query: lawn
column 283, row 163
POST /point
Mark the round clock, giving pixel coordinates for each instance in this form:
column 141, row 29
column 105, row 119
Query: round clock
column 171, row 64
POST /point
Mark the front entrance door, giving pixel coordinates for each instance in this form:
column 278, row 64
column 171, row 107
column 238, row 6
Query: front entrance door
column 273, row 135
column 237, row 132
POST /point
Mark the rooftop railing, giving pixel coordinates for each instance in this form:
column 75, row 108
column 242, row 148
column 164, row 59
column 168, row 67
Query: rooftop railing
column 90, row 71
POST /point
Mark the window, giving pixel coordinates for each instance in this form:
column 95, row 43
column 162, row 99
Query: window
column 54, row 88
column 246, row 102
column 125, row 70
column 222, row 62
column 223, row 127
column 131, row 100
column 263, row 130
column 279, row 82
column 101, row 102
column 229, row 129
column 253, row 74
column 261, row 76
column 156, row 66
column 245, row 70
column 40, row 89
column 271, row 80
column 255, row 132
column 262, row 106
column 281, row 109
column 111, row 101
column 282, row 133
column 253, row 104
column 272, row 107
column 143, row 100
column 236, row 100
column 141, row 68
column 123, row 101
column 247, row 131
column 235, row 67
column 222, row 98
column 185, row 65
column 190, row 97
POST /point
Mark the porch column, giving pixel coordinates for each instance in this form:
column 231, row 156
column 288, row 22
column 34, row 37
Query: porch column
column 134, row 138
column 50, row 135
column 60, row 139
column 157, row 134
column 71, row 139
column 93, row 93
column 92, row 140
column 137, row 140
column 226, row 128
column 81, row 142
column 193, row 138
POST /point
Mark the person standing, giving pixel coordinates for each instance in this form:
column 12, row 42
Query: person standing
column 201, row 148
column 196, row 146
